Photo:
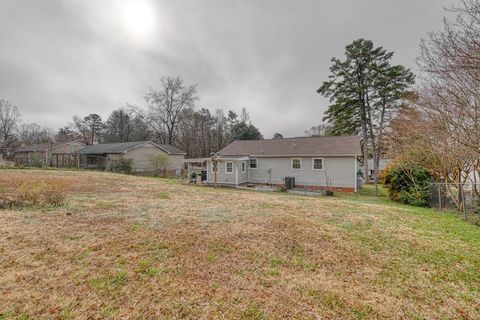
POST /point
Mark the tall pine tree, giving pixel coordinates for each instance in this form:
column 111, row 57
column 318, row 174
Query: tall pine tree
column 364, row 91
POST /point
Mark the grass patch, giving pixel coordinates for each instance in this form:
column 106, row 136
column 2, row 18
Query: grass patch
column 111, row 282
column 127, row 251
column 253, row 312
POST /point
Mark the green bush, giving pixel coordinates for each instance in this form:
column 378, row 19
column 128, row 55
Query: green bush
column 124, row 166
column 408, row 183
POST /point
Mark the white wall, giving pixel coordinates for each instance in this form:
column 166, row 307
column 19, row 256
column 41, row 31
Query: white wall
column 339, row 170
column 141, row 158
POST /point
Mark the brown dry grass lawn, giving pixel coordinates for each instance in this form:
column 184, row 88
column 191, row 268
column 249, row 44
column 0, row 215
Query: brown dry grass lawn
column 127, row 247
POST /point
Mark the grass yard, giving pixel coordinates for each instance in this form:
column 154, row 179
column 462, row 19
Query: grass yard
column 146, row 248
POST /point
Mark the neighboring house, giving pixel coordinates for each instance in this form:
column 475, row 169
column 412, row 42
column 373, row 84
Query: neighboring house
column 64, row 154
column 57, row 155
column 107, row 155
column 382, row 166
column 35, row 154
column 314, row 162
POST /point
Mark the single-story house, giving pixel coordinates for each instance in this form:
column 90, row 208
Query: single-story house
column 106, row 156
column 35, row 154
column 47, row 154
column 314, row 162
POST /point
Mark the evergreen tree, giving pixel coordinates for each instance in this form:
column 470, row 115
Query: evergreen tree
column 118, row 127
column 364, row 91
column 278, row 136
column 93, row 122
column 243, row 131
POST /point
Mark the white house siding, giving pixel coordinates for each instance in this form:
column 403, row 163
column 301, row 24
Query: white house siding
column 237, row 176
column 339, row 170
column 176, row 161
column 112, row 160
column 222, row 176
column 141, row 158
column 242, row 177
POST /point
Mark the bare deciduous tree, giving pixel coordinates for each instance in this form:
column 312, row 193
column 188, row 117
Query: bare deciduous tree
column 81, row 129
column 322, row 129
column 9, row 119
column 33, row 133
column 165, row 106
column 441, row 127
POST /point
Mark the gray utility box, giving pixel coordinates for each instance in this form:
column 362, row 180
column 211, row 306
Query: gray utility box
column 289, row 182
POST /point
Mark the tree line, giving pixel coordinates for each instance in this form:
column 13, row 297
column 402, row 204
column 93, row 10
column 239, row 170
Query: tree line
column 171, row 116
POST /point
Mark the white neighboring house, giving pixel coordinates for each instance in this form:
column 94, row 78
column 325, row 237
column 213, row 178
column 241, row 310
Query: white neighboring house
column 382, row 166
column 314, row 162
column 106, row 156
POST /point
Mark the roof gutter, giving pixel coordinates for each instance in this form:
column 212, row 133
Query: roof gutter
column 294, row 155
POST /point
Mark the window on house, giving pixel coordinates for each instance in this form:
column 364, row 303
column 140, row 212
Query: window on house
column 296, row 163
column 317, row 164
column 253, row 164
column 244, row 166
column 229, row 167
column 214, row 167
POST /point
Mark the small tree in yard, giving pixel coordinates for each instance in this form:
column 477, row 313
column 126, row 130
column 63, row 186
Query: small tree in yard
column 159, row 163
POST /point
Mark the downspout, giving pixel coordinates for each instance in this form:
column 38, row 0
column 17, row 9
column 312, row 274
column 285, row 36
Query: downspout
column 355, row 174
column 215, row 159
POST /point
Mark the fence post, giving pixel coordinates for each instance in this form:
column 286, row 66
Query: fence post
column 439, row 197
column 463, row 202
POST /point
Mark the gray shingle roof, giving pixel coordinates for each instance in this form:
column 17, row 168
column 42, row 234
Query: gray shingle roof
column 321, row 146
column 171, row 149
column 45, row 147
column 122, row 147
column 34, row 148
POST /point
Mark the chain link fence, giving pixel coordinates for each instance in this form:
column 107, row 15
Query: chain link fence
column 461, row 197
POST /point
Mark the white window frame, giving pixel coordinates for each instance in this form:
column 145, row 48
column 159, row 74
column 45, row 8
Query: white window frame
column 211, row 167
column 250, row 164
column 244, row 166
column 313, row 164
column 291, row 163
column 226, row 167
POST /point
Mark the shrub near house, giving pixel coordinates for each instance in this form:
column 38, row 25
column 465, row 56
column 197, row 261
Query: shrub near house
column 408, row 183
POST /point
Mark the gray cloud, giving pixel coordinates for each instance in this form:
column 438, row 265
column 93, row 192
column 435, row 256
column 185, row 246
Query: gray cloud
column 60, row 58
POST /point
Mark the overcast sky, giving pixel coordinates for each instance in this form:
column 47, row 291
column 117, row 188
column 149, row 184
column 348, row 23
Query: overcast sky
column 59, row 58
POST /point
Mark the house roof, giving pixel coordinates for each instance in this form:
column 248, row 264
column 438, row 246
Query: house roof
column 123, row 147
column 171, row 149
column 301, row 146
column 45, row 146
column 34, row 148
